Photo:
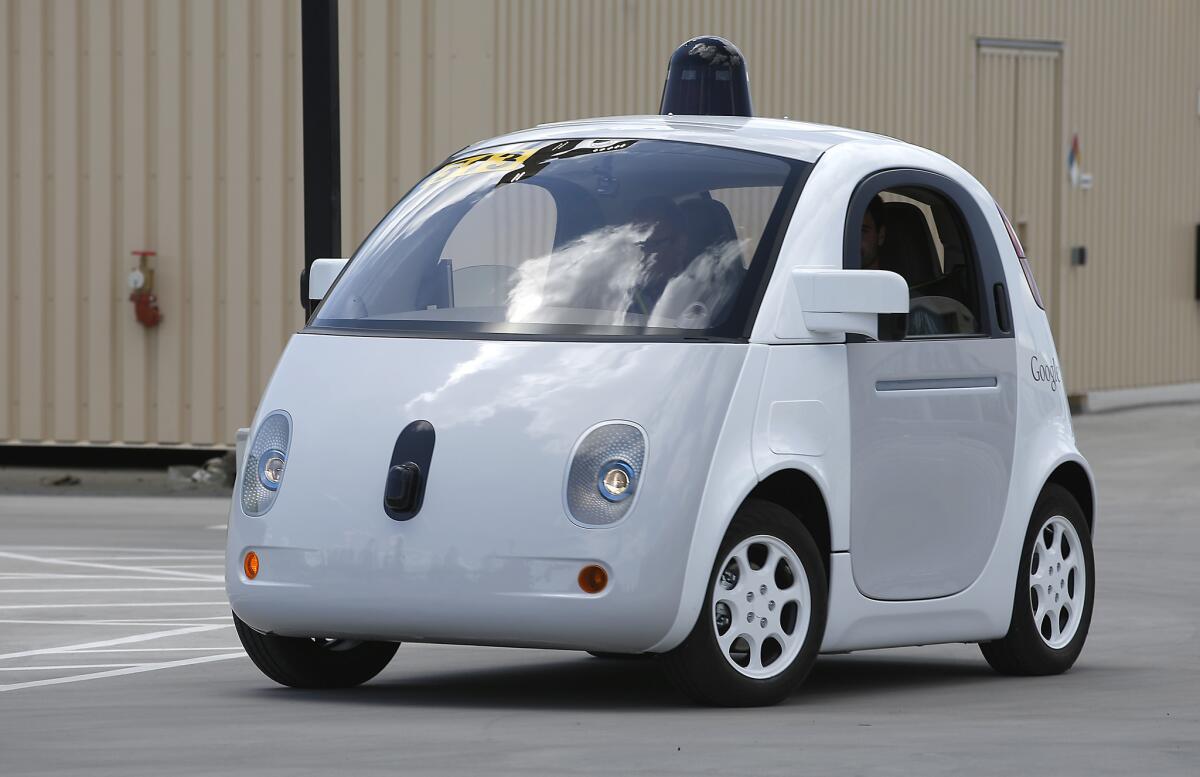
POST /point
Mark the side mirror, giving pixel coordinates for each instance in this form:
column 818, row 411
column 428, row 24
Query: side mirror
column 321, row 275
column 832, row 301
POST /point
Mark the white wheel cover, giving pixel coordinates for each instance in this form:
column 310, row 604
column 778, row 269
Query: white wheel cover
column 1057, row 582
column 761, row 606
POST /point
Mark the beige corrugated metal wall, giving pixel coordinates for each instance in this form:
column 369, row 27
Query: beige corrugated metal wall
column 1126, row 80
column 173, row 125
column 1017, row 118
column 159, row 125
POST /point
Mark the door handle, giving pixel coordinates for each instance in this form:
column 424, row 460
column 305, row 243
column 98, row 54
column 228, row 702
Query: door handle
column 925, row 384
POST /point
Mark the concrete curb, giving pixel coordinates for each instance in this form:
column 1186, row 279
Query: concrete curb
column 1125, row 399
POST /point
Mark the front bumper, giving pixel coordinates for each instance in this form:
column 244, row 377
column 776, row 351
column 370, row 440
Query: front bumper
column 418, row 581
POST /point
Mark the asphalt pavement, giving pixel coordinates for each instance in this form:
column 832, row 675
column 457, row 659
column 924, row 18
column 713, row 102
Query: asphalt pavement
column 117, row 658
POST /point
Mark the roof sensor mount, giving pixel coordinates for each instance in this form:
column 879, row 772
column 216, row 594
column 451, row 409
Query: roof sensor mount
column 707, row 76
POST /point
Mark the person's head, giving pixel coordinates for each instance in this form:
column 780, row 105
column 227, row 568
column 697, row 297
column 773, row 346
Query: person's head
column 874, row 233
column 666, row 241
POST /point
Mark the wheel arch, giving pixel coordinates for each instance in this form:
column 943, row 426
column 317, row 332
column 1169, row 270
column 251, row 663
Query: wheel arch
column 1075, row 478
column 797, row 492
column 790, row 487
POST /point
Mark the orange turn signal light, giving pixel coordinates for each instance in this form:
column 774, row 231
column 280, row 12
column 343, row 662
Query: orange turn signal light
column 250, row 565
column 593, row 579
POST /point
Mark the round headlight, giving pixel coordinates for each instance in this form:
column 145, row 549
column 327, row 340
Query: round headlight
column 270, row 468
column 616, row 481
column 265, row 463
column 604, row 477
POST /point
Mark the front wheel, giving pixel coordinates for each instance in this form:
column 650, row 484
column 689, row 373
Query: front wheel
column 763, row 619
column 1056, row 583
column 314, row 663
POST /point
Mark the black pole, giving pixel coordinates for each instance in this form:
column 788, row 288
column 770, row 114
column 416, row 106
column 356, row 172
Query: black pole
column 322, row 141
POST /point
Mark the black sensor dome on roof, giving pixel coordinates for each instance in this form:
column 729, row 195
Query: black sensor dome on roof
column 707, row 77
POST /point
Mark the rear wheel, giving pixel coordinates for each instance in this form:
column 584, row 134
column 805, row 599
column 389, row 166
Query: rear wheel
column 314, row 663
column 763, row 619
column 1056, row 583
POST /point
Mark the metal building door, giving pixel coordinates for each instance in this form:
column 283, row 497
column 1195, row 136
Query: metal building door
column 1017, row 155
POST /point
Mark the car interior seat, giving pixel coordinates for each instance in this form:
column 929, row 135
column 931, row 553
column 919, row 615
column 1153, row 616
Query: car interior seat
column 709, row 224
column 908, row 247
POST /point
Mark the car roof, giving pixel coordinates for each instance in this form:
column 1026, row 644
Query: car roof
column 793, row 139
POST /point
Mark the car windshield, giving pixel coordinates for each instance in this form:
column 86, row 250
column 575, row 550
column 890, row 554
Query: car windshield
column 580, row 237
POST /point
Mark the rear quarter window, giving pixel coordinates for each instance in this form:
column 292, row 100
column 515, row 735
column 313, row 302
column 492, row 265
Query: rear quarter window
column 1016, row 242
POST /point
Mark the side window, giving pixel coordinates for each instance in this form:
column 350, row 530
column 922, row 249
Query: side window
column 919, row 234
column 1016, row 243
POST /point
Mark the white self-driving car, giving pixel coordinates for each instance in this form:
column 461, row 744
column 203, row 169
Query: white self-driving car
column 729, row 391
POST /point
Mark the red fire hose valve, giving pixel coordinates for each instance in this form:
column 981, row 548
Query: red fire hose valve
column 141, row 291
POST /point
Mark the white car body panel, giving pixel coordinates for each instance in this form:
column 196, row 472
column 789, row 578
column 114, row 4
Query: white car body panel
column 493, row 555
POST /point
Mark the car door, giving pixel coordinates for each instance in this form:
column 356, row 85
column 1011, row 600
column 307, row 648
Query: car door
column 933, row 403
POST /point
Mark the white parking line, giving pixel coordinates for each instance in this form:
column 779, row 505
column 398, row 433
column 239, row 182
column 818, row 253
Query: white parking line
column 120, row 621
column 195, row 629
column 53, row 576
column 163, row 570
column 111, row 604
column 109, row 590
column 206, row 557
column 95, row 548
column 96, row 565
column 153, row 650
column 65, row 666
column 119, row 672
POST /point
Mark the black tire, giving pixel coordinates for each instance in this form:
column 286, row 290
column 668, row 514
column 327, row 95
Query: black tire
column 1023, row 651
column 309, row 663
column 699, row 668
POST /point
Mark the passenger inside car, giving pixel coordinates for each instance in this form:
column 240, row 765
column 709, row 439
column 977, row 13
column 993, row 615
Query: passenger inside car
column 690, row 248
column 874, row 234
column 914, row 234
column 664, row 249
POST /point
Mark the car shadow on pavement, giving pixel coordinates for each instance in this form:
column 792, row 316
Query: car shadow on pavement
column 585, row 683
column 575, row 683
column 840, row 677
